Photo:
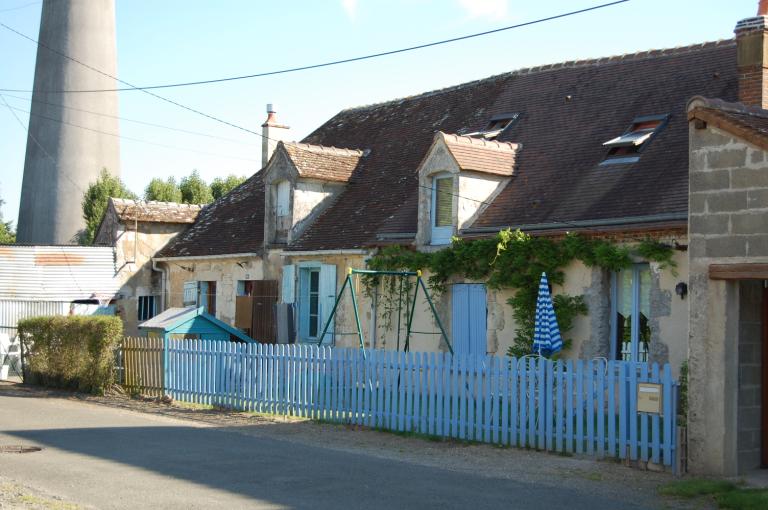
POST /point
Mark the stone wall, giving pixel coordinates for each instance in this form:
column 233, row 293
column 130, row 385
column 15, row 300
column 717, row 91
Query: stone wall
column 728, row 224
column 133, row 260
column 224, row 271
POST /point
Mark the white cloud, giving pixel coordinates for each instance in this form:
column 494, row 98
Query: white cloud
column 494, row 9
column 350, row 7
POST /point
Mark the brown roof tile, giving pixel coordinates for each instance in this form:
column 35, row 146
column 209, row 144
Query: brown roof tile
column 749, row 123
column 557, row 175
column 325, row 163
column 155, row 212
column 232, row 224
column 478, row 155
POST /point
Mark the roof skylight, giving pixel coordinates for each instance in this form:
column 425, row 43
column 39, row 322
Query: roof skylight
column 626, row 148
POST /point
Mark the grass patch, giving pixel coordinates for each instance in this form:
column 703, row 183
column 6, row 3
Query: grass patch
column 744, row 499
column 696, row 487
column 727, row 495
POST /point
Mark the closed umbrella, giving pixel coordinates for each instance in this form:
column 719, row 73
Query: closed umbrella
column 546, row 333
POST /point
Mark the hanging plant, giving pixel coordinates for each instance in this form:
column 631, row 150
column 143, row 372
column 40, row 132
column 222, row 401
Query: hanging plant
column 515, row 260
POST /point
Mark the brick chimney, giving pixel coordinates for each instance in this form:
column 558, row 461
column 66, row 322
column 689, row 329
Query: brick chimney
column 752, row 58
column 271, row 132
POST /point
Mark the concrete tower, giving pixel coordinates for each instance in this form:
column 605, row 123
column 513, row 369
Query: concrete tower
column 62, row 158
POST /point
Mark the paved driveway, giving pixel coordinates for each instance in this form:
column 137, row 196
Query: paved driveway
column 111, row 458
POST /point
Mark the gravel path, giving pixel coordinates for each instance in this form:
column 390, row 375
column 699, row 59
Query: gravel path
column 607, row 479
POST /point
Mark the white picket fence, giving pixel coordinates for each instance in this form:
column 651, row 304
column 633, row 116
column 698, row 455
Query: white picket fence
column 582, row 407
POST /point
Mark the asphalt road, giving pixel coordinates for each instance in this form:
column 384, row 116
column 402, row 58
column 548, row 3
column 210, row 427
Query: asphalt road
column 110, row 458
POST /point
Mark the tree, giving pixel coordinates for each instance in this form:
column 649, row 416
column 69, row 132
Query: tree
column 194, row 190
column 7, row 235
column 163, row 190
column 220, row 187
column 95, row 202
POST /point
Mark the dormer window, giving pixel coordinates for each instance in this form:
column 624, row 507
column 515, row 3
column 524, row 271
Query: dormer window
column 626, row 148
column 282, row 210
column 442, row 209
column 496, row 126
column 283, row 198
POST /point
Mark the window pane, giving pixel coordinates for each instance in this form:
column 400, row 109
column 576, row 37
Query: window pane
column 644, row 330
column 444, row 202
column 313, row 325
column 624, row 315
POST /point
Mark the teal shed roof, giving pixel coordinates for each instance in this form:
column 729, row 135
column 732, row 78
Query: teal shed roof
column 173, row 318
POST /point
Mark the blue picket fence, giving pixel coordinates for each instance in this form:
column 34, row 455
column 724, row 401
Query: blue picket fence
column 580, row 407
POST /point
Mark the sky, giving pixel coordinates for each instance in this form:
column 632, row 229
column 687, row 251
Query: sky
column 168, row 41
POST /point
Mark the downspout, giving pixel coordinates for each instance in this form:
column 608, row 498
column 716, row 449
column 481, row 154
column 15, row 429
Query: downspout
column 163, row 276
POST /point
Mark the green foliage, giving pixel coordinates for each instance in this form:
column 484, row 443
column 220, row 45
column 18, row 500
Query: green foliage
column 695, row 487
column 73, row 352
column 163, row 190
column 515, row 260
column 220, row 187
column 743, row 499
column 7, row 235
column 95, row 202
column 194, row 190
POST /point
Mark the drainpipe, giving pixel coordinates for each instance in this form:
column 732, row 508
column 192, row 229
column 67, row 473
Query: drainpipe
column 163, row 276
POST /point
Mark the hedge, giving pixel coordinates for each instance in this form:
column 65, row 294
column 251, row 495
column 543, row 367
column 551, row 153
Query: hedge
column 74, row 352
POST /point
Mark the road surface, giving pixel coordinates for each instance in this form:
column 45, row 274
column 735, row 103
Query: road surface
column 102, row 457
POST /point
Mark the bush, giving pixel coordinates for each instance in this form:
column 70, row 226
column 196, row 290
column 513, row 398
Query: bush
column 75, row 352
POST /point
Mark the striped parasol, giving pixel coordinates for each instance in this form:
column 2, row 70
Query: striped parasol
column 546, row 333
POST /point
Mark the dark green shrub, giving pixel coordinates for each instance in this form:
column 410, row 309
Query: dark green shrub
column 75, row 352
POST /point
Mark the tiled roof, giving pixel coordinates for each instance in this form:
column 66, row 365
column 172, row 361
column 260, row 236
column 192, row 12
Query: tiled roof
column 326, row 163
column 749, row 123
column 566, row 112
column 478, row 155
column 232, row 224
column 157, row 212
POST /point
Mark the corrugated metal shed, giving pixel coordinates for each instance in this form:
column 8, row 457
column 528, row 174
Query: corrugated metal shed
column 13, row 311
column 57, row 273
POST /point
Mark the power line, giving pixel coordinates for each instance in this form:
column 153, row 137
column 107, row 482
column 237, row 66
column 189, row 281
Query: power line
column 217, row 119
column 19, row 7
column 341, row 61
column 135, row 121
column 122, row 137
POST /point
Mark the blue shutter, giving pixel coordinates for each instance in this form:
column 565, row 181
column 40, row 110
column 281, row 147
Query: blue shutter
column 289, row 283
column 460, row 319
column 303, row 304
column 327, row 299
column 478, row 320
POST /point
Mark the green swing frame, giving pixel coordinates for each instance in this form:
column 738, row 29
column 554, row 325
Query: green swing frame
column 403, row 275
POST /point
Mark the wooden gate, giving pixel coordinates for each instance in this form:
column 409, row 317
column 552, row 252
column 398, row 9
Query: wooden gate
column 255, row 312
column 142, row 365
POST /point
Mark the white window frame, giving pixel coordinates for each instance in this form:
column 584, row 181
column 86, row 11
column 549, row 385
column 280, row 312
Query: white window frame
column 635, row 323
column 441, row 235
column 191, row 293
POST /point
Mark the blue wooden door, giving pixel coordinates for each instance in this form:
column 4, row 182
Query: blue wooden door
column 469, row 322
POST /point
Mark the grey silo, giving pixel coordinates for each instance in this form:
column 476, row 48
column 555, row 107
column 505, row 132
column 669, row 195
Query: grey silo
column 67, row 147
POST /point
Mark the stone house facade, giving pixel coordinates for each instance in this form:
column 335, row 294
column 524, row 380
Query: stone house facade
column 609, row 148
column 138, row 230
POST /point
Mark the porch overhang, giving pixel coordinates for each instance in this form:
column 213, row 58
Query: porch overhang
column 744, row 271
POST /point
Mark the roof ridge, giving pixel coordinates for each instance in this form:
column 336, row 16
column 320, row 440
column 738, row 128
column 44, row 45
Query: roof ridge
column 480, row 142
column 338, row 151
column 729, row 107
column 137, row 202
column 569, row 64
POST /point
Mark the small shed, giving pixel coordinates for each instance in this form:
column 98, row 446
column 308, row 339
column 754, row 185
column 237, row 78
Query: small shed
column 191, row 323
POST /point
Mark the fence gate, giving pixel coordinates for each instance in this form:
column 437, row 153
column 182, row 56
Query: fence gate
column 140, row 365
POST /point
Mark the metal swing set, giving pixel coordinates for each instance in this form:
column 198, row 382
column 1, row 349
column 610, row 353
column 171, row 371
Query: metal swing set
column 403, row 275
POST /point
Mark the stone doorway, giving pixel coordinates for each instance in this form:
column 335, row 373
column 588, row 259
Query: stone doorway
column 752, row 397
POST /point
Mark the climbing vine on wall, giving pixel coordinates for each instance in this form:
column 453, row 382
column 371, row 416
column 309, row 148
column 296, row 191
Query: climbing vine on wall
column 515, row 260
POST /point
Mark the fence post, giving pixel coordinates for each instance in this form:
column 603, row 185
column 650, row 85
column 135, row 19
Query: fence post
column 166, row 368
